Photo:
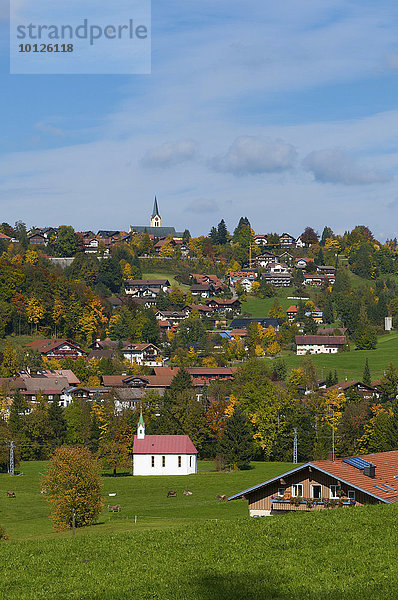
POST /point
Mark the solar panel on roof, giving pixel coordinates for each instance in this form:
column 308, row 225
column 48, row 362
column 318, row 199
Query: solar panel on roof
column 358, row 463
column 380, row 488
column 387, row 486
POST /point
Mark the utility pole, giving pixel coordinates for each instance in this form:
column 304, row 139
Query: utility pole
column 12, row 461
column 73, row 520
column 295, row 446
column 333, row 455
column 250, row 255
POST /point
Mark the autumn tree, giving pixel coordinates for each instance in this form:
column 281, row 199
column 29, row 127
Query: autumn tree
column 114, row 455
column 72, row 483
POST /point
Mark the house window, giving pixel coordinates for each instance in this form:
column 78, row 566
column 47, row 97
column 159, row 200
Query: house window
column 333, row 491
column 190, row 461
column 152, row 461
column 179, row 461
column 163, row 461
column 351, row 494
column 317, row 492
column 281, row 492
column 297, row 490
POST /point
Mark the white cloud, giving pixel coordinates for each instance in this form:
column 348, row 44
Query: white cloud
column 249, row 155
column 170, row 154
column 336, row 166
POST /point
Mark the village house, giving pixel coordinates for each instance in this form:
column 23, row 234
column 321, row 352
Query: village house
column 260, row 239
column 202, row 309
column 37, row 239
column 173, row 316
column 145, row 354
column 316, row 314
column 143, row 288
column 319, row 279
column 302, row 263
column 225, row 305
column 245, row 278
column 277, row 279
column 277, row 267
column 366, row 391
column 326, row 269
column 204, row 290
column 263, row 259
column 56, row 348
column 162, row 454
column 320, row 344
column 286, row 240
column 323, row 484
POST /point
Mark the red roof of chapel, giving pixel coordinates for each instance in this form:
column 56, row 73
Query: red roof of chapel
column 164, row 444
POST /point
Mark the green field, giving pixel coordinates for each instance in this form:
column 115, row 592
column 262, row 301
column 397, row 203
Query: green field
column 345, row 553
column 350, row 364
column 26, row 516
column 168, row 276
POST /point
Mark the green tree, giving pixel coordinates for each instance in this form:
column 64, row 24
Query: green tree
column 222, row 233
column 66, row 243
column 73, row 487
column 326, row 233
column 57, row 424
column 236, row 443
column 366, row 378
column 365, row 337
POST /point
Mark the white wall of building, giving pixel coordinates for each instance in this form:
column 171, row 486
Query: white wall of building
column 315, row 349
column 142, row 464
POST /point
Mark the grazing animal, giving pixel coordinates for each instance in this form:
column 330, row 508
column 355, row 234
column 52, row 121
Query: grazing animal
column 171, row 494
column 114, row 508
column 187, row 493
column 221, row 497
column 10, row 494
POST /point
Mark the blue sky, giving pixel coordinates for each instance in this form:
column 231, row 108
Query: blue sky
column 285, row 113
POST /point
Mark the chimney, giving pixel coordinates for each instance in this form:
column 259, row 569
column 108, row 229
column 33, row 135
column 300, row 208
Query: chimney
column 370, row 471
column 330, row 456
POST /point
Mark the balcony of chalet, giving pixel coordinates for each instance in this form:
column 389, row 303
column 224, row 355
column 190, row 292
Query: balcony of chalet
column 289, row 503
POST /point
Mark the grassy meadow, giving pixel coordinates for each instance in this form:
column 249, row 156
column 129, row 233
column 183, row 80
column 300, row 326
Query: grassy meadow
column 26, row 516
column 342, row 553
column 350, row 365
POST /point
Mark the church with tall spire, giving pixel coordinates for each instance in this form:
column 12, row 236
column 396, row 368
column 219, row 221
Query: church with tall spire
column 155, row 216
column 155, row 227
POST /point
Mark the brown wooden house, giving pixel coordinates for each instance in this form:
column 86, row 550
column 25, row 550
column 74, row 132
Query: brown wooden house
column 352, row 481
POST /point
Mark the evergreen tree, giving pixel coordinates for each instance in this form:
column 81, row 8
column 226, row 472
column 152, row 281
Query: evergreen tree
column 310, row 326
column 182, row 381
column 342, row 281
column 222, row 233
column 186, row 236
column 326, row 233
column 335, row 378
column 328, row 315
column 18, row 409
column 57, row 423
column 320, row 259
column 213, row 235
column 236, row 444
column 365, row 337
column 366, row 378
column 329, row 379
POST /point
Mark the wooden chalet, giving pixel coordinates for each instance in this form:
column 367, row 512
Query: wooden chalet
column 322, row 484
column 57, row 348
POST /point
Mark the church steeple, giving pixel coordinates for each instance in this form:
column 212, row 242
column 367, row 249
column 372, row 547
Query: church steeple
column 141, row 427
column 155, row 216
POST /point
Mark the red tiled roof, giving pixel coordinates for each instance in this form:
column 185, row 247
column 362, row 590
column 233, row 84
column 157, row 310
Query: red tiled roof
column 344, row 385
column 386, row 472
column 46, row 345
column 292, row 308
column 321, row 340
column 164, row 444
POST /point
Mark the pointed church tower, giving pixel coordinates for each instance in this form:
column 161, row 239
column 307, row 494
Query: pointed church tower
column 141, row 427
column 155, row 216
